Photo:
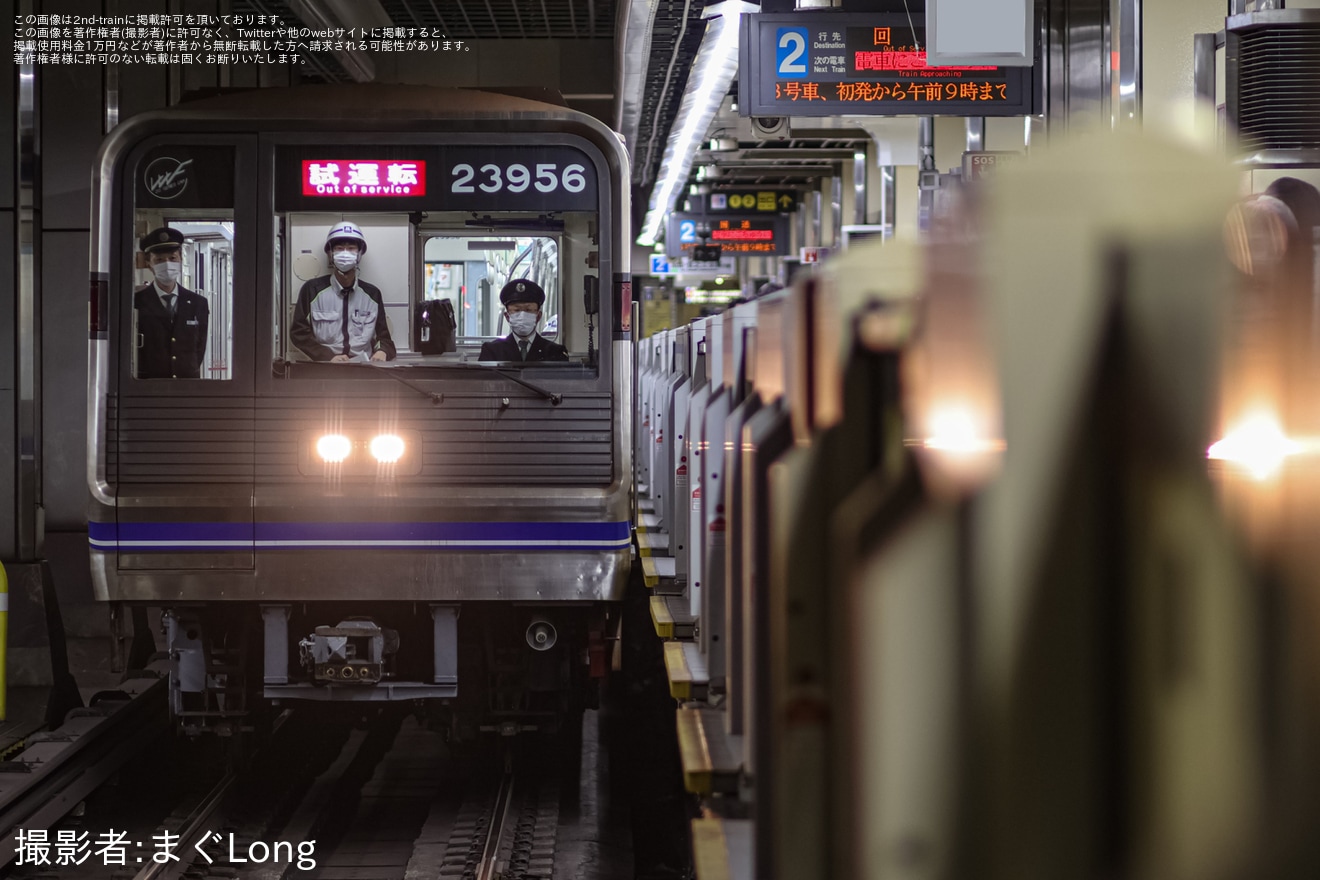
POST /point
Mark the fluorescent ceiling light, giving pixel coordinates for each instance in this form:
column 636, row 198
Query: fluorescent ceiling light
column 713, row 71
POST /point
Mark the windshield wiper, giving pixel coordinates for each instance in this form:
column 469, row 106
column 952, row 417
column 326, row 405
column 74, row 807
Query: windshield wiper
column 434, row 396
column 545, row 394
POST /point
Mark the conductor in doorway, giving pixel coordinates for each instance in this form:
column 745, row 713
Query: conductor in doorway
column 522, row 301
column 172, row 321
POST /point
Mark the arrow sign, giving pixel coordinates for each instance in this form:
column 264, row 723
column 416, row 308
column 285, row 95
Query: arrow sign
column 767, row 201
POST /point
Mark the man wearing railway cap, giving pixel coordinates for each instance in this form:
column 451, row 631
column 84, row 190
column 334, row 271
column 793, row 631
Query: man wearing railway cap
column 339, row 317
column 172, row 321
column 522, row 299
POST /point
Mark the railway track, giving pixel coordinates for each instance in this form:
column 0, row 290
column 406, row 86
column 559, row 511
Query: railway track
column 386, row 800
column 392, row 804
column 490, row 866
column 520, row 840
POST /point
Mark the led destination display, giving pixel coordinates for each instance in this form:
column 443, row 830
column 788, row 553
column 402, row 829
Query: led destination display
column 764, row 235
column 865, row 63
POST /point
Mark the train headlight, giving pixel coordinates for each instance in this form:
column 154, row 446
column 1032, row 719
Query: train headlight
column 1257, row 445
column 387, row 448
column 333, row 447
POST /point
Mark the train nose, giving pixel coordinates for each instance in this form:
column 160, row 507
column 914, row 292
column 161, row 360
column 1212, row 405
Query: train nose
column 541, row 635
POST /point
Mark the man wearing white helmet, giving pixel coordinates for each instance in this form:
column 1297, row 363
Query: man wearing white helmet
column 339, row 317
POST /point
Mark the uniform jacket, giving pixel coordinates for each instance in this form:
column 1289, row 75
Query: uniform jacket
column 170, row 348
column 506, row 349
column 318, row 321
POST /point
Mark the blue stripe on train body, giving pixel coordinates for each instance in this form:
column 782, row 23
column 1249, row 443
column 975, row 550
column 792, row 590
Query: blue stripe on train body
column 178, row 537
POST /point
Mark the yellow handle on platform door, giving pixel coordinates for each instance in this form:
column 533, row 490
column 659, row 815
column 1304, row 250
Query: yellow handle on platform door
column 4, row 639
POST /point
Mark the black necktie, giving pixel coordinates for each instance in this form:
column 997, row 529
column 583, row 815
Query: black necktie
column 169, row 303
column 523, row 345
column 345, row 292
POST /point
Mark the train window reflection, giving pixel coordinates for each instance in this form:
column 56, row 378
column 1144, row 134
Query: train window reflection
column 470, row 272
column 183, row 295
column 425, row 293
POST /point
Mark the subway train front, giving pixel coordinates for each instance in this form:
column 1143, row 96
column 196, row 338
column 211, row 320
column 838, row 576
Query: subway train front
column 359, row 403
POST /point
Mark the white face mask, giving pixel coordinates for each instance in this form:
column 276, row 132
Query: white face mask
column 523, row 323
column 167, row 273
column 345, row 261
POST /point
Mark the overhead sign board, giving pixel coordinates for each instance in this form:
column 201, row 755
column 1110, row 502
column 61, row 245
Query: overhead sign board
column 685, row 265
column 772, row 201
column 977, row 164
column 726, row 265
column 874, row 64
column 738, row 235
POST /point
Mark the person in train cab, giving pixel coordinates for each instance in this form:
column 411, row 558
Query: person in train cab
column 339, row 317
column 172, row 321
column 522, row 301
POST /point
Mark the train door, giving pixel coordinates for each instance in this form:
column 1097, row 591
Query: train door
column 181, row 423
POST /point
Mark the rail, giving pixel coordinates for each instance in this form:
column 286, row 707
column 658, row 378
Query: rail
column 490, row 867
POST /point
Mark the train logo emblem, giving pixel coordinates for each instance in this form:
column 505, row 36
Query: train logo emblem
column 167, row 177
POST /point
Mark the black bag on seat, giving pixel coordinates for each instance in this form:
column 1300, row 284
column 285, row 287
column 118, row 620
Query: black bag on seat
column 434, row 327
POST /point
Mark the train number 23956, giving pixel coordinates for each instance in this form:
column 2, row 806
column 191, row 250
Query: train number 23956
column 547, row 177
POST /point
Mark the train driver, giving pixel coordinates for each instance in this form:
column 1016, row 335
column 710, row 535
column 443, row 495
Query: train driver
column 339, row 317
column 171, row 320
column 522, row 301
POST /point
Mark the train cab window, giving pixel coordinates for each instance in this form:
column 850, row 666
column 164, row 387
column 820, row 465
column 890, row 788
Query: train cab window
column 468, row 267
column 183, row 294
column 360, row 281
column 344, row 287
column 470, row 271
column 181, row 263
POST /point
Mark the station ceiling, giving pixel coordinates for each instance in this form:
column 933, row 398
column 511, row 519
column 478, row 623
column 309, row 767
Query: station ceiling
column 676, row 31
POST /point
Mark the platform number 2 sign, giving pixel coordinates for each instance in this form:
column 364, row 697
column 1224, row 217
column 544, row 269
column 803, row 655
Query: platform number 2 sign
column 791, row 53
column 687, row 231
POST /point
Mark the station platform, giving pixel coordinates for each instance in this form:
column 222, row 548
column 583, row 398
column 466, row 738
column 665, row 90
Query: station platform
column 722, row 849
column 671, row 617
column 26, row 705
column 659, row 573
column 688, row 679
column 712, row 759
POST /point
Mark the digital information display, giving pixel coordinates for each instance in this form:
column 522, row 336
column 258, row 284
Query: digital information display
column 363, row 177
column 482, row 179
column 865, row 64
column 737, row 235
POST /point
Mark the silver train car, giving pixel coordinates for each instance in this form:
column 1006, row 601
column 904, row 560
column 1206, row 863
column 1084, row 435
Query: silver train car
column 433, row 527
